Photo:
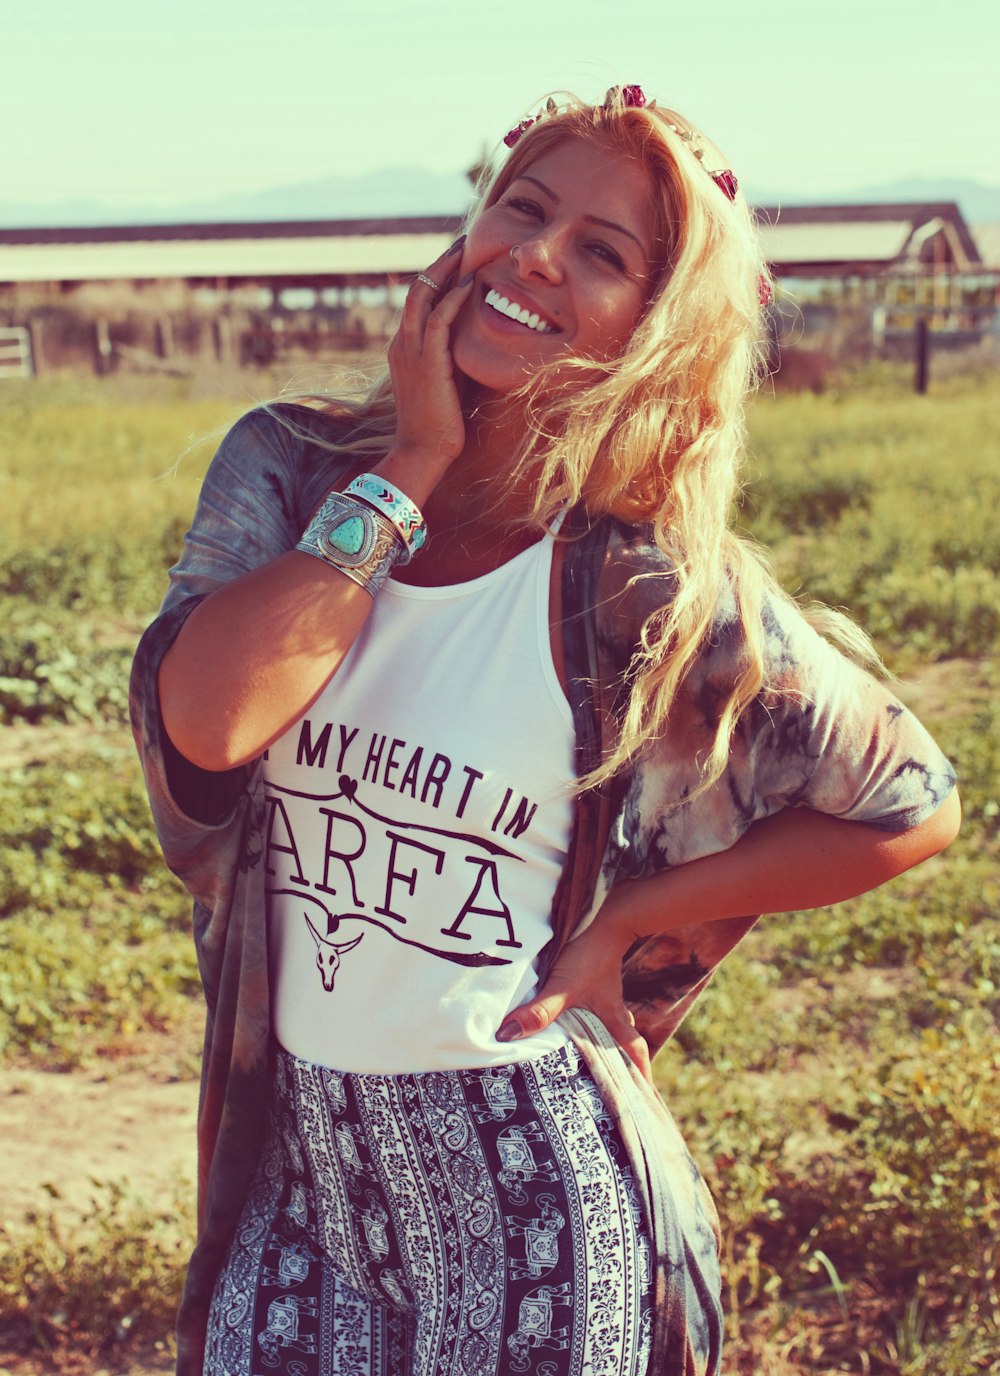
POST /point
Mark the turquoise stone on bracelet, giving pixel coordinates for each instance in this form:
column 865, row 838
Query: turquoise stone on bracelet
column 349, row 537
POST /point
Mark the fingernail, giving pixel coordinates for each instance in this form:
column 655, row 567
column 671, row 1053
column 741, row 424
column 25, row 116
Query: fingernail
column 456, row 245
column 510, row 1031
column 464, row 282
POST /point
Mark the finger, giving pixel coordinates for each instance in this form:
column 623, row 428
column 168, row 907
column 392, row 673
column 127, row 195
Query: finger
column 448, row 261
column 443, row 314
column 531, row 1017
column 429, row 285
column 638, row 1053
column 422, row 297
column 427, row 294
column 635, row 1047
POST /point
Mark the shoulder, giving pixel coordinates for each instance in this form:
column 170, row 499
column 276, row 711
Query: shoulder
column 753, row 625
column 625, row 578
column 281, row 453
column 293, row 434
column 639, row 579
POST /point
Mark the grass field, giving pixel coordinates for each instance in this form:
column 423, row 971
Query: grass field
column 838, row 1083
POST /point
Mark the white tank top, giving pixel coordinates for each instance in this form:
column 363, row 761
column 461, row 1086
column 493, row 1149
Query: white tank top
column 418, row 821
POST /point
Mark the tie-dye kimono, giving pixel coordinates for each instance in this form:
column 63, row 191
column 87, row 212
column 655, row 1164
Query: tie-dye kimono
column 824, row 736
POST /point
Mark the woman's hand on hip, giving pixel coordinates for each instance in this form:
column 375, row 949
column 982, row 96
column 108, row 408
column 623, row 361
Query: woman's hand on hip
column 588, row 974
column 430, row 427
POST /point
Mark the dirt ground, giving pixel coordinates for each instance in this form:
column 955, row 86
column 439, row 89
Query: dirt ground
column 65, row 1134
column 61, row 1133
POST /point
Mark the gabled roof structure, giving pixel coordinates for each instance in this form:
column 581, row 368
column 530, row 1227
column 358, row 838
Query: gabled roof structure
column 313, row 253
column 799, row 241
column 867, row 240
column 988, row 242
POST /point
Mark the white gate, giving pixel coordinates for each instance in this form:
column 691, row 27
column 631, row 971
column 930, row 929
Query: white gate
column 15, row 352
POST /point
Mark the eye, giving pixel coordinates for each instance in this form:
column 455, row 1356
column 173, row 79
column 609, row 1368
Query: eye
column 525, row 206
column 607, row 254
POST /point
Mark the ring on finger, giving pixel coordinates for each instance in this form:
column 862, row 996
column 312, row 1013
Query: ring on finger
column 428, row 281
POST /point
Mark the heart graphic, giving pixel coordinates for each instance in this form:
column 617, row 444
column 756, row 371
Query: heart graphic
column 348, row 786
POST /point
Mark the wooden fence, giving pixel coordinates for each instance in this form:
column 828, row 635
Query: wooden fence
column 16, row 359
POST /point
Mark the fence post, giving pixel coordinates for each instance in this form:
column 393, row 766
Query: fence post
column 103, row 356
column 222, row 328
column 37, row 357
column 922, row 341
column 164, row 337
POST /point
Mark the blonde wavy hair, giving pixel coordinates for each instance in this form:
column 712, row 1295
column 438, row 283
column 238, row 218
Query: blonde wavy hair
column 657, row 435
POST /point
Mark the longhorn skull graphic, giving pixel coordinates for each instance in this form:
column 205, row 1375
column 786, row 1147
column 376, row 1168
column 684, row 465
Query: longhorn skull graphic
column 328, row 955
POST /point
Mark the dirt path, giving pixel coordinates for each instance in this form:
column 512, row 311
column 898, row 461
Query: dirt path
column 62, row 1132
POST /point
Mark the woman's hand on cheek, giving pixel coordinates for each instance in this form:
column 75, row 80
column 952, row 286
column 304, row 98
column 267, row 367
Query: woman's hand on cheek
column 588, row 974
column 430, row 427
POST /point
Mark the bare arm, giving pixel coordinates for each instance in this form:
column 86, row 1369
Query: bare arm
column 254, row 655
column 794, row 860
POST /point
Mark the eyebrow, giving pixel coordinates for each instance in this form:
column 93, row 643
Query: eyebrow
column 593, row 219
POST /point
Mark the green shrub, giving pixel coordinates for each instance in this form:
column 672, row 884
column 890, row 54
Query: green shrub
column 102, row 1284
column 924, row 916
column 94, row 941
column 915, row 1196
column 113, row 965
column 971, row 739
column 886, row 508
column 90, row 815
column 58, row 667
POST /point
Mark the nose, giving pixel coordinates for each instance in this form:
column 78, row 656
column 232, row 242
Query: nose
column 540, row 255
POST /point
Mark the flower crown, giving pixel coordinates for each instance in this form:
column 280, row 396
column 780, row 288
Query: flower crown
column 633, row 98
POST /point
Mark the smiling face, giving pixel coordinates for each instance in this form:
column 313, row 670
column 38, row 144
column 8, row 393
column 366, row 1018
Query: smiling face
column 580, row 224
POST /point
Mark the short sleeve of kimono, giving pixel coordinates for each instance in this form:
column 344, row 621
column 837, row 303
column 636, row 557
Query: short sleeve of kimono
column 258, row 491
column 831, row 737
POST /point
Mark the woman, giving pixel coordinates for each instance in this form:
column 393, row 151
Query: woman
column 469, row 822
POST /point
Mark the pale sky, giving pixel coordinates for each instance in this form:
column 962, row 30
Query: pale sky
column 170, row 101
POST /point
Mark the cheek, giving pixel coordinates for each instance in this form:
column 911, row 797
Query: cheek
column 617, row 321
column 483, row 245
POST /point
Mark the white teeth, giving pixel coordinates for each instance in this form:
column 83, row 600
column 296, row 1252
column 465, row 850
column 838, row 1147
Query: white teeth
column 519, row 313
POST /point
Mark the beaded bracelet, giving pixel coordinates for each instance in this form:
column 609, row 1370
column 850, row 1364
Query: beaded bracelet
column 405, row 515
column 353, row 537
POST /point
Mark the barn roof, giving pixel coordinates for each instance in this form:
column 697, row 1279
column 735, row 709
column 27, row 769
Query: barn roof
column 292, row 251
column 988, row 241
column 866, row 238
column 798, row 241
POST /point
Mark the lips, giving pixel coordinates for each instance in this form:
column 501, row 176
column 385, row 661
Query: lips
column 523, row 314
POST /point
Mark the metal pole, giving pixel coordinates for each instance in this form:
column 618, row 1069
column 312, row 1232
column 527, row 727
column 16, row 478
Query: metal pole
column 922, row 340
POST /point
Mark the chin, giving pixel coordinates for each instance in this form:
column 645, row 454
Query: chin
column 494, row 377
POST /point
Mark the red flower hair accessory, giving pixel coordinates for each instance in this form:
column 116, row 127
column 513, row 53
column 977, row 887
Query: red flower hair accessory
column 633, row 97
column 727, row 181
column 512, row 138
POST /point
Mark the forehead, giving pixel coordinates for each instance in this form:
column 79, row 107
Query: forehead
column 593, row 178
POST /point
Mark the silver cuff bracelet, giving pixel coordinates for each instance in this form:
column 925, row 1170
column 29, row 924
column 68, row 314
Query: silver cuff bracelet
column 351, row 536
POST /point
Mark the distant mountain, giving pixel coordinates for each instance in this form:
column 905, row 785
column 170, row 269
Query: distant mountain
column 385, row 194
column 409, row 191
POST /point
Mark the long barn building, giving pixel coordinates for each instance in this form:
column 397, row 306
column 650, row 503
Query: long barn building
column 356, row 271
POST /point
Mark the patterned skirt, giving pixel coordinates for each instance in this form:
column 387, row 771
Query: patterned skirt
column 450, row 1223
